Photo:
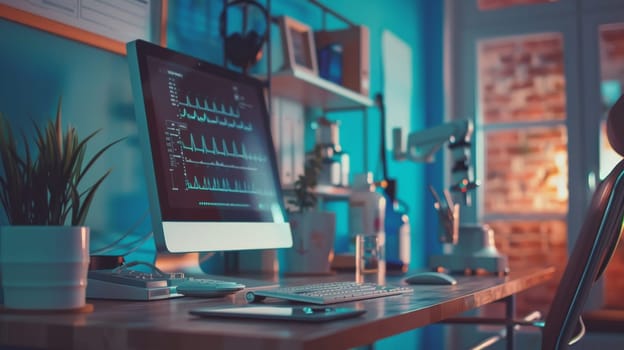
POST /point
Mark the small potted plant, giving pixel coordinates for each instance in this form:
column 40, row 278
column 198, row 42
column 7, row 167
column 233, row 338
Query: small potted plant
column 305, row 198
column 313, row 230
column 44, row 251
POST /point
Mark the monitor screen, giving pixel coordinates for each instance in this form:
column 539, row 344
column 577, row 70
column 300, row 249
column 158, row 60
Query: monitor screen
column 209, row 158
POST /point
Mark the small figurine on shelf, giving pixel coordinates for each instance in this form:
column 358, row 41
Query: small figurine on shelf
column 334, row 161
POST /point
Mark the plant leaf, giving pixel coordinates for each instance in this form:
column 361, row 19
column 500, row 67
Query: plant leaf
column 96, row 156
column 59, row 131
column 43, row 188
column 81, row 213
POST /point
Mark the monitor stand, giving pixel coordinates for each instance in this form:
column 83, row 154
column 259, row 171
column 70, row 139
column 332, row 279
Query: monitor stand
column 257, row 262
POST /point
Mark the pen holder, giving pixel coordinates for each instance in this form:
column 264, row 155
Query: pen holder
column 313, row 243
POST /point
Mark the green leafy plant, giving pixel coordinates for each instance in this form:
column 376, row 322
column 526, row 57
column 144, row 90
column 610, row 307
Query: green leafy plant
column 305, row 198
column 43, row 188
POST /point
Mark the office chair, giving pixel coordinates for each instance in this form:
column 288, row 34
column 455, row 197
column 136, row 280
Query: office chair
column 594, row 247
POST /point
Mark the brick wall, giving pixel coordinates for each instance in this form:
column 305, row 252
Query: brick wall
column 485, row 5
column 526, row 175
column 521, row 84
column 521, row 79
column 612, row 52
column 530, row 243
column 614, row 283
column 526, row 171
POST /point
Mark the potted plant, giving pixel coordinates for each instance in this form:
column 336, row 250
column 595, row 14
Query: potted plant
column 44, row 251
column 313, row 230
column 305, row 198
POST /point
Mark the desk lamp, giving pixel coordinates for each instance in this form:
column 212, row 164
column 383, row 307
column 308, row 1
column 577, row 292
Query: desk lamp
column 466, row 247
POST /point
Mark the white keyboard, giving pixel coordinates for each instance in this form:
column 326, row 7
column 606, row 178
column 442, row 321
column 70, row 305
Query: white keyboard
column 328, row 293
column 128, row 284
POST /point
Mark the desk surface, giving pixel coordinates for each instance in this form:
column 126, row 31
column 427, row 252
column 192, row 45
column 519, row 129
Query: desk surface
column 166, row 324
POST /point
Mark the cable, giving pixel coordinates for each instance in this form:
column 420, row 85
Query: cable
column 136, row 244
column 133, row 245
column 128, row 232
column 382, row 112
column 125, row 268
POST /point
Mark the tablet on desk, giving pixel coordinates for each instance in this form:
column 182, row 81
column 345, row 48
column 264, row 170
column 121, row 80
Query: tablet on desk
column 291, row 313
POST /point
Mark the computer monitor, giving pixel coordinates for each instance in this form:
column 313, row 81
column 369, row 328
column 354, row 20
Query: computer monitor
column 209, row 158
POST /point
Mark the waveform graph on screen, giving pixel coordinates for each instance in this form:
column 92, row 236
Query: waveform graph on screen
column 210, row 111
column 224, row 184
column 223, row 147
column 215, row 155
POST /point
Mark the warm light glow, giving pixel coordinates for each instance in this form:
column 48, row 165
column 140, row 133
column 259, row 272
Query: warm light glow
column 608, row 156
column 560, row 180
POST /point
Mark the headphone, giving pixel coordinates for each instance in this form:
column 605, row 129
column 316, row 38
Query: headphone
column 243, row 50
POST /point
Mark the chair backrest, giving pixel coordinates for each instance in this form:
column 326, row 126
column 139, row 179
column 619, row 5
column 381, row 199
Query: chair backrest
column 594, row 246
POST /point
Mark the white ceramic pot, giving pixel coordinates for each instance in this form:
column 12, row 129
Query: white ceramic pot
column 44, row 267
column 313, row 243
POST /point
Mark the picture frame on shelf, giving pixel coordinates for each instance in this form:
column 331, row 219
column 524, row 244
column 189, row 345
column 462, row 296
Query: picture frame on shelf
column 298, row 45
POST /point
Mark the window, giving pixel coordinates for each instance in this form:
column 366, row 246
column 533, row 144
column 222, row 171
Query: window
column 611, row 42
column 522, row 112
column 487, row 5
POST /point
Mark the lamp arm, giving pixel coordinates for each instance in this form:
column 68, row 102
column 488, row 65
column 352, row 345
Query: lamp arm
column 423, row 144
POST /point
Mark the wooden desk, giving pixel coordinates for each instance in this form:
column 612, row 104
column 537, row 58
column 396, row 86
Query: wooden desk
column 166, row 324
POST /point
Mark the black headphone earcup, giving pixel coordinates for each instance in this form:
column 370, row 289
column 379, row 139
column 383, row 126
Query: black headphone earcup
column 241, row 50
column 256, row 41
column 253, row 42
column 235, row 50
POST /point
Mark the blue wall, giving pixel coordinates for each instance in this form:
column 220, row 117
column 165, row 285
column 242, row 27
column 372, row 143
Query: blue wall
column 37, row 67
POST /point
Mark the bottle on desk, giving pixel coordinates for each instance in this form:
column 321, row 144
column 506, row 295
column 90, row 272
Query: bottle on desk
column 367, row 209
column 397, row 227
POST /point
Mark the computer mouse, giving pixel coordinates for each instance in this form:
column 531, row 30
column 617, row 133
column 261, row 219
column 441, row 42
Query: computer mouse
column 430, row 277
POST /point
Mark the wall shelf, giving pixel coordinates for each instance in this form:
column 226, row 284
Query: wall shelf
column 293, row 90
column 311, row 90
column 327, row 192
column 333, row 192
